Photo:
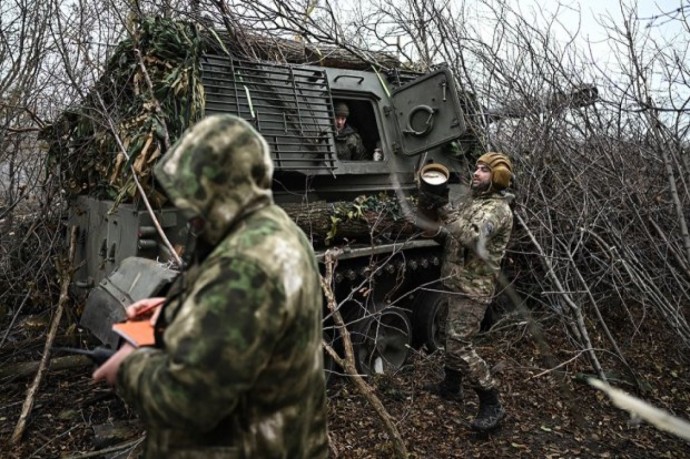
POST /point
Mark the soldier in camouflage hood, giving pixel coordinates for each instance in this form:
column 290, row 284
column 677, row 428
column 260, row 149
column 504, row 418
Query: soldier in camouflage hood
column 475, row 237
column 239, row 372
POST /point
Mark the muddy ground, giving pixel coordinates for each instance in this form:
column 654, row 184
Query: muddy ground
column 551, row 413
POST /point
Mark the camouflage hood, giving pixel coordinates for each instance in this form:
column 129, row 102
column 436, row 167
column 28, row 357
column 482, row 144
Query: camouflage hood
column 219, row 170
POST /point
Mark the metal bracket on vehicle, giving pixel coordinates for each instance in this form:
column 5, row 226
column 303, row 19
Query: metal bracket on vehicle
column 134, row 279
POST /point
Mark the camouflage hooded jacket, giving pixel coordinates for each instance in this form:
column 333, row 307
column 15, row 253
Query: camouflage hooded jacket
column 476, row 235
column 241, row 372
column 349, row 146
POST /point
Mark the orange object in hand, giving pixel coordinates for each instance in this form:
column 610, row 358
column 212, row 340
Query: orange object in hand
column 138, row 333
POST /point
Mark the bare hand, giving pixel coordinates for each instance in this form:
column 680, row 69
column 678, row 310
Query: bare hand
column 145, row 307
column 108, row 371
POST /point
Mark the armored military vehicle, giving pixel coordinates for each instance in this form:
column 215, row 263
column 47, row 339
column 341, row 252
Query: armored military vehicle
column 386, row 268
column 292, row 106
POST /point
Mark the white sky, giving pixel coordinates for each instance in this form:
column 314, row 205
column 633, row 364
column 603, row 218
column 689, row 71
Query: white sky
column 593, row 16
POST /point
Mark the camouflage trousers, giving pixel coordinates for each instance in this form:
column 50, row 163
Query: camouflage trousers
column 462, row 325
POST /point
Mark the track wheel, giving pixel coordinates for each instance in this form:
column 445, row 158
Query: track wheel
column 429, row 315
column 383, row 341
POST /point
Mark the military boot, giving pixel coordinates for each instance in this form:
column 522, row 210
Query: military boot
column 450, row 388
column 490, row 411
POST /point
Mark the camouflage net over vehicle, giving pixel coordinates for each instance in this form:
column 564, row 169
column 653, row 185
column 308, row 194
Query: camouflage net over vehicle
column 366, row 219
column 150, row 92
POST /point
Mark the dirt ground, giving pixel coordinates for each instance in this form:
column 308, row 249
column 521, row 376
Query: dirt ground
column 551, row 414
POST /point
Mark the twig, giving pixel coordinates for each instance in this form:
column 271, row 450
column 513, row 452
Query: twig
column 597, row 311
column 14, row 318
column 142, row 193
column 52, row 440
column 681, row 262
column 156, row 104
column 102, row 452
column 26, row 297
column 579, row 318
column 33, row 389
column 557, row 366
column 348, row 363
column 20, row 370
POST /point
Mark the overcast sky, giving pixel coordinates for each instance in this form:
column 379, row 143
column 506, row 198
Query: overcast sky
column 591, row 16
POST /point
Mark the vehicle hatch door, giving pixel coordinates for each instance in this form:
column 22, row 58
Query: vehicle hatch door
column 427, row 113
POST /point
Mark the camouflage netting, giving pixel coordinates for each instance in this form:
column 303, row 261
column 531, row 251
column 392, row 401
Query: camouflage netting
column 376, row 218
column 158, row 65
column 150, row 92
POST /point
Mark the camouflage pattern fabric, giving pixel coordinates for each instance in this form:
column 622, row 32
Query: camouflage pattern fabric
column 349, row 146
column 240, row 374
column 476, row 235
column 464, row 319
column 220, row 170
